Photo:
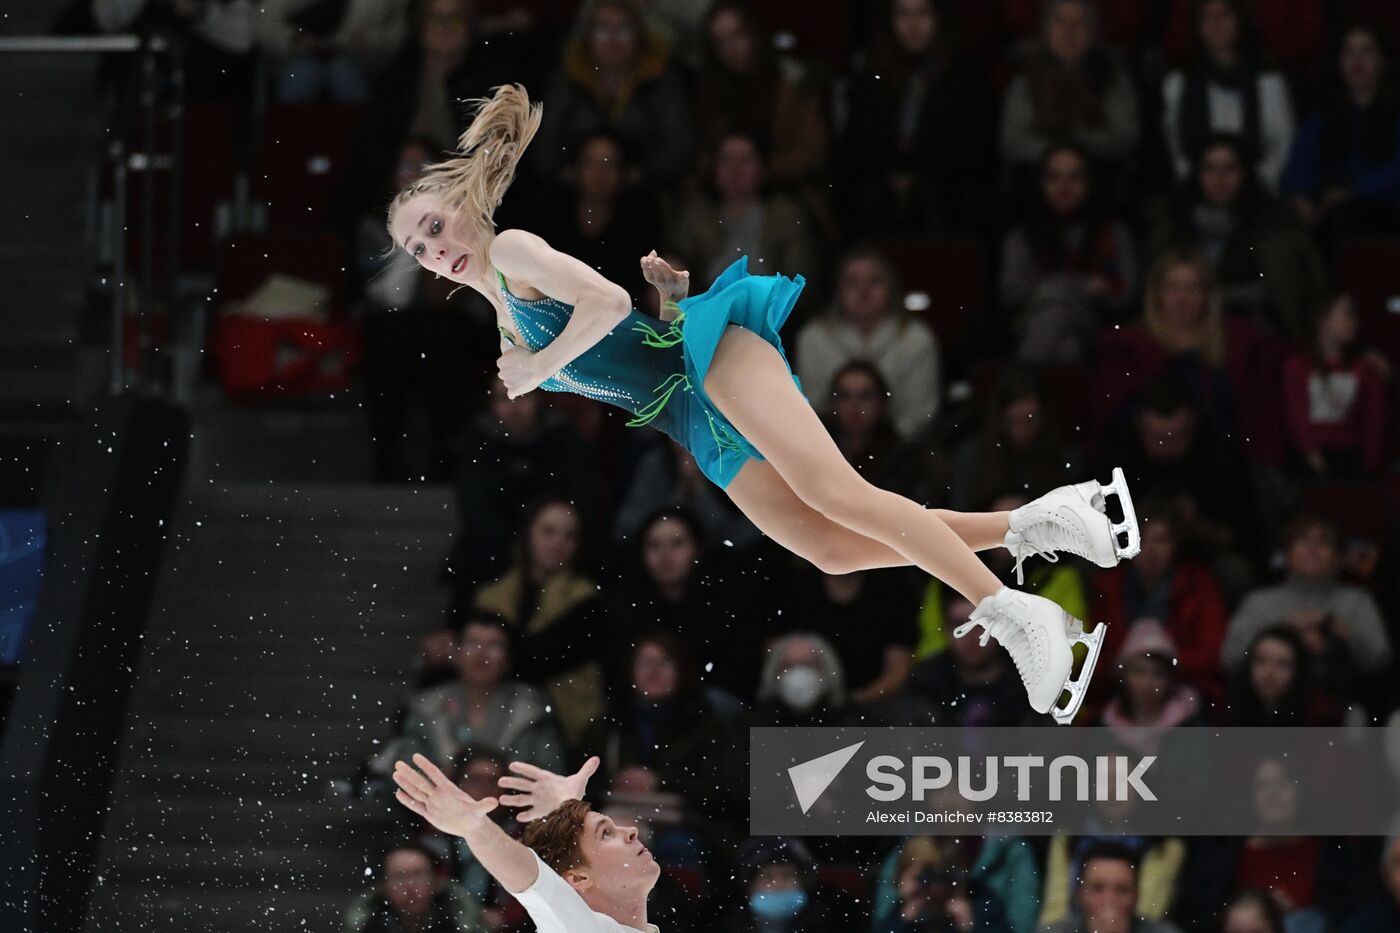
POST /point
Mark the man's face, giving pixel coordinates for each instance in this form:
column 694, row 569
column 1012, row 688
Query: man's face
column 615, row 860
column 483, row 655
column 1108, row 895
column 1313, row 554
column 408, row 881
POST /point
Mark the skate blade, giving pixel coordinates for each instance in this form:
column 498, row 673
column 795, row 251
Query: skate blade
column 1118, row 486
column 1072, row 697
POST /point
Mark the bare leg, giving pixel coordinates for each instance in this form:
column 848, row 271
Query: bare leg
column 764, row 496
column 752, row 387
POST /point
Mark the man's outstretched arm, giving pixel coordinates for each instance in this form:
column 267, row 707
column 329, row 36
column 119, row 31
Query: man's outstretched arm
column 449, row 808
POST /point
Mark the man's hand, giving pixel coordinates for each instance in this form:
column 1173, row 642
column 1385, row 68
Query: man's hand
column 432, row 796
column 540, row 792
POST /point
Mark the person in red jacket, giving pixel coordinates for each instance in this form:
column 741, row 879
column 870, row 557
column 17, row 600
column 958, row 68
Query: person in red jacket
column 1335, row 399
column 1180, row 592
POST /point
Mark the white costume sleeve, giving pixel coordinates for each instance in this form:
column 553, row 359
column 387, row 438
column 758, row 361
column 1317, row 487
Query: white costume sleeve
column 556, row 907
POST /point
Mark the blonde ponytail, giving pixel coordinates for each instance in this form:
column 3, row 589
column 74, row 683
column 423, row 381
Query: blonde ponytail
column 474, row 181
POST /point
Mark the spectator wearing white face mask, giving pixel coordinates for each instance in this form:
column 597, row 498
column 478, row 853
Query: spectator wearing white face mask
column 803, row 684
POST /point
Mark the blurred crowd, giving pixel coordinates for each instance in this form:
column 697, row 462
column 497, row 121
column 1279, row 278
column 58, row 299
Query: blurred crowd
column 1042, row 238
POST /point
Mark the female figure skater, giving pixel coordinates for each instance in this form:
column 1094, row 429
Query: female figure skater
column 716, row 381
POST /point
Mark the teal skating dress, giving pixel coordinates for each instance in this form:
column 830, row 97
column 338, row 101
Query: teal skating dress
column 659, row 375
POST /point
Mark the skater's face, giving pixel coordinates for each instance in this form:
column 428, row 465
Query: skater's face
column 1361, row 63
column 483, row 657
column 615, row 860
column 654, row 673
column 857, row 402
column 599, row 169
column 864, row 291
column 1065, row 182
column 732, row 41
column 1219, row 28
column 1275, row 795
column 553, row 539
column 1108, row 895
column 612, row 37
column 409, row 881
column 1221, row 175
column 1272, row 669
column 914, row 24
column 738, row 169
column 1069, row 30
column 669, row 552
column 1312, row 554
column 438, row 238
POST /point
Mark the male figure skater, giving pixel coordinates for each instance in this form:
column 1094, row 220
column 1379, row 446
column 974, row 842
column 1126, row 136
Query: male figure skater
column 576, row 870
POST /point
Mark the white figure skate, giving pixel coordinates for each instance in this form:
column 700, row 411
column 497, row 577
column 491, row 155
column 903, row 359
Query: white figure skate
column 1039, row 636
column 1075, row 519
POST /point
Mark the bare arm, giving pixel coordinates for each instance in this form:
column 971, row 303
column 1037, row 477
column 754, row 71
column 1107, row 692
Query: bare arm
column 449, row 808
column 599, row 306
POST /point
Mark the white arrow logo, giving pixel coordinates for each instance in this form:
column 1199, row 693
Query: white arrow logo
column 811, row 778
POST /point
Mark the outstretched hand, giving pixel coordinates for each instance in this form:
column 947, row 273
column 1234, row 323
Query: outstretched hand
column 672, row 285
column 540, row 792
column 439, row 801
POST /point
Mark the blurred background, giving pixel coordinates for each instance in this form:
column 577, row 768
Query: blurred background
column 268, row 522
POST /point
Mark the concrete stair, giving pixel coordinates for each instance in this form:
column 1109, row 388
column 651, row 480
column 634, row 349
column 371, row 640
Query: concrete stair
column 279, row 649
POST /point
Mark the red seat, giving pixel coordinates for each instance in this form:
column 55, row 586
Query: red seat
column 951, row 271
column 303, row 161
column 318, row 256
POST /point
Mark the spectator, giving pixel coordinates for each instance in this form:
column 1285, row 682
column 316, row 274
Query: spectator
column 739, row 218
column 510, row 454
column 554, row 609
column 780, row 893
column 667, row 476
column 1068, row 267
column 1383, row 913
column 664, row 746
column 331, row 48
column 1150, row 699
column 219, row 37
column 1156, row 869
column 1335, row 399
column 870, row 617
column 1275, row 685
column 1069, row 90
column 1343, row 174
column 1226, row 90
column 1168, row 453
column 414, row 895
column 1018, row 447
column 1264, row 265
column 673, row 587
column 1173, row 589
column 478, row 775
column 968, row 684
column 485, row 706
column 1338, row 623
column 417, row 338
column 998, row 872
column 866, row 323
column 1252, row 911
column 445, row 61
column 745, row 88
column 599, row 220
column 616, row 76
column 1106, row 895
column 802, row 684
column 919, row 148
column 1182, row 334
column 859, row 420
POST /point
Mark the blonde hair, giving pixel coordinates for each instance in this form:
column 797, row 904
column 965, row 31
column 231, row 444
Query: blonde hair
column 473, row 182
column 1211, row 330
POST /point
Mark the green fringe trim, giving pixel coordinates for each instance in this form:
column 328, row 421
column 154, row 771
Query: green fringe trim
column 669, row 338
column 668, row 387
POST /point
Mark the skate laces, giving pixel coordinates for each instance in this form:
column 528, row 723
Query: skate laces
column 1014, row 638
column 1052, row 533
